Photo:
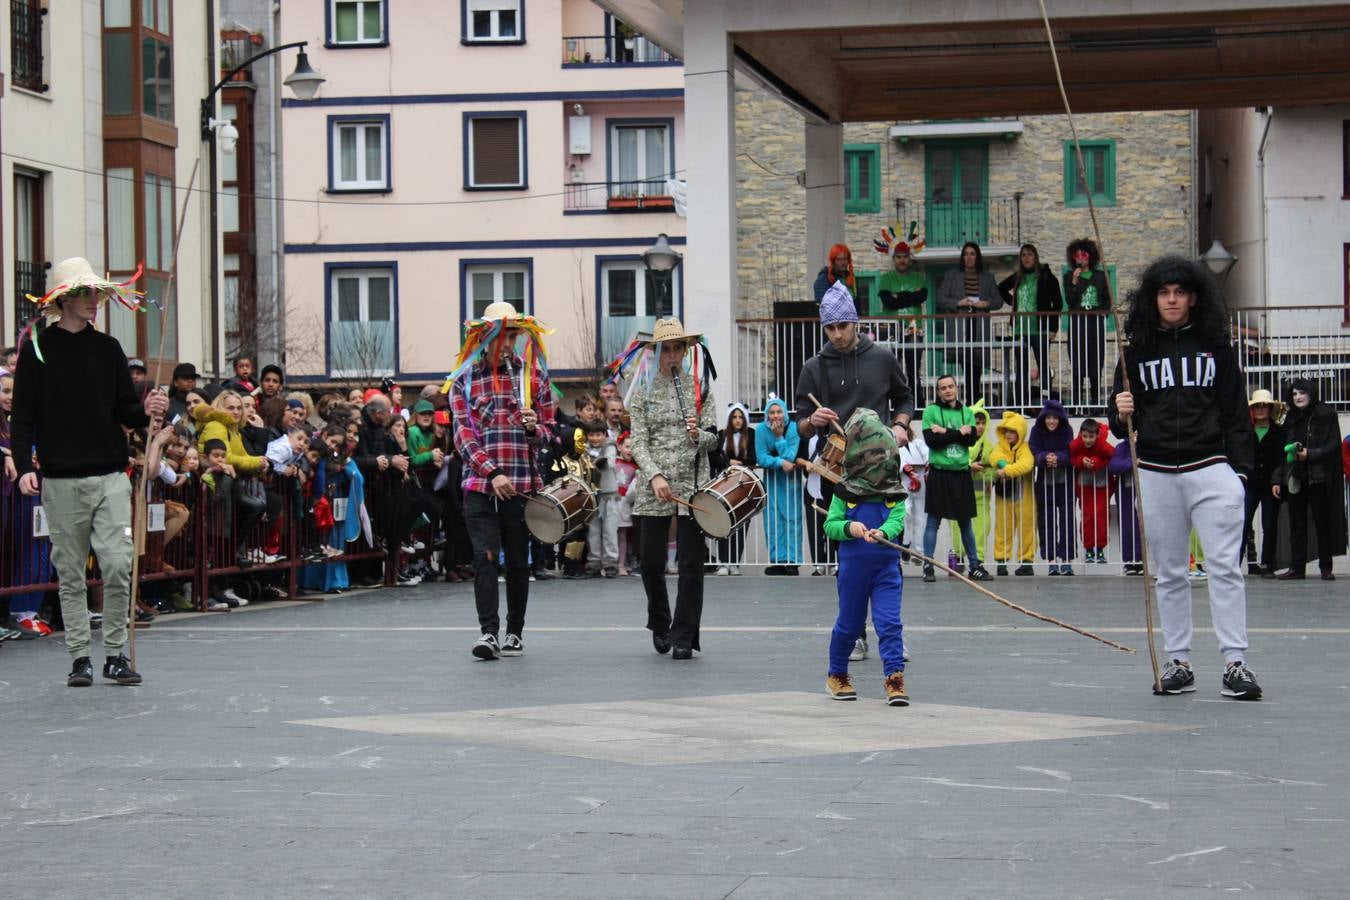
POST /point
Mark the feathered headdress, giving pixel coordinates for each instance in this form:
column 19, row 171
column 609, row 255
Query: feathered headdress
column 637, row 361
column 890, row 239
column 75, row 274
column 487, row 336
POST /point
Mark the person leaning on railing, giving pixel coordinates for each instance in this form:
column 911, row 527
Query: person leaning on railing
column 964, row 295
column 222, row 421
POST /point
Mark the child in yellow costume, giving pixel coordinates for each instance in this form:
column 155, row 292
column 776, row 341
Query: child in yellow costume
column 982, row 471
column 1014, row 502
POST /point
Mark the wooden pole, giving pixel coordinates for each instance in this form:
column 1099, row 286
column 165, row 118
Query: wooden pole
column 992, row 596
column 1120, row 361
column 139, row 500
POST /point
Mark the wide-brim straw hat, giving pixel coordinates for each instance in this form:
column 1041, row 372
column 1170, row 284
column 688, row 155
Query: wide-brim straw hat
column 1266, row 397
column 670, row 330
column 501, row 309
column 76, row 273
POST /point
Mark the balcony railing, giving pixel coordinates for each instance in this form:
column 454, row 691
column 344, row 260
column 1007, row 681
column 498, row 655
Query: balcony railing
column 619, row 196
column 25, row 59
column 1070, row 355
column 613, row 50
column 29, row 278
column 991, row 222
column 235, row 47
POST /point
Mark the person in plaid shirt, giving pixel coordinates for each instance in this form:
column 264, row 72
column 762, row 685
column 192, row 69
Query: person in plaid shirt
column 503, row 410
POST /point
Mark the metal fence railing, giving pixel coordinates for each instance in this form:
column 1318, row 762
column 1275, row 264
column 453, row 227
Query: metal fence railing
column 613, row 49
column 628, row 196
column 1018, row 363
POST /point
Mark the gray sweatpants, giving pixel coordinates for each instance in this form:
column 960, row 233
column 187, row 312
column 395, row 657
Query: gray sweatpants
column 1210, row 500
column 86, row 514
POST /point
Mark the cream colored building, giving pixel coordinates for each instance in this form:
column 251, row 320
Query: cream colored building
column 490, row 150
column 98, row 153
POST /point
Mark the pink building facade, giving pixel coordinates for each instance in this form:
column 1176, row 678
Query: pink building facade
column 500, row 150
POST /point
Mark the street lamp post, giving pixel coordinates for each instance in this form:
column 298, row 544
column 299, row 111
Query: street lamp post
column 304, row 82
column 662, row 258
column 1218, row 260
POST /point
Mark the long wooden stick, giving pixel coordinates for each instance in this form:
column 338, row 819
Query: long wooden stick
column 1120, row 361
column 995, row 597
column 827, row 474
column 837, row 427
column 139, row 501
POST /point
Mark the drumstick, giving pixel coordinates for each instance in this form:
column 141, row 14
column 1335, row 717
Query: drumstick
column 837, row 427
column 991, row 595
column 819, row 470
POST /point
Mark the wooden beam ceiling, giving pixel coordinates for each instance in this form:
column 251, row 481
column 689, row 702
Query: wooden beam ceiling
column 1108, row 65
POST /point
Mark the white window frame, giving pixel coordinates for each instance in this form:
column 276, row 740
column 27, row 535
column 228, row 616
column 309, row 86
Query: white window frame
column 497, row 270
column 364, row 277
column 361, row 39
column 520, row 151
column 644, row 308
column 658, row 187
column 494, row 8
column 361, row 182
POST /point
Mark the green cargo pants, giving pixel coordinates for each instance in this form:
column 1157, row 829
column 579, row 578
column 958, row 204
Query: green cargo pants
column 84, row 514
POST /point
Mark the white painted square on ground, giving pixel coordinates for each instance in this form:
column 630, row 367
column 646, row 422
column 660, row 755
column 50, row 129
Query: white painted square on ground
column 736, row 727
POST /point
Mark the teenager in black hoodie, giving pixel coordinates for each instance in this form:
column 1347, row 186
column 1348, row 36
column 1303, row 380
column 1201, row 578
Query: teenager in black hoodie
column 1195, row 443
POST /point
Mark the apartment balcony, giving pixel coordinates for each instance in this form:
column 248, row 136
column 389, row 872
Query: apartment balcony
column 30, row 279
column 26, row 21
column 580, row 51
column 235, row 47
column 618, row 197
column 993, row 223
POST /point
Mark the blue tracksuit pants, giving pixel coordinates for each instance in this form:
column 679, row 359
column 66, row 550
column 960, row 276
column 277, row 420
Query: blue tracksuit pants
column 868, row 574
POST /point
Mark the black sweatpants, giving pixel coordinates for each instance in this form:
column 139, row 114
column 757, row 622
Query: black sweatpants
column 690, row 551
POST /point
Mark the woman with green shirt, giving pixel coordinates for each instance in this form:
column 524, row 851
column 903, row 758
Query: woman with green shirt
column 1089, row 298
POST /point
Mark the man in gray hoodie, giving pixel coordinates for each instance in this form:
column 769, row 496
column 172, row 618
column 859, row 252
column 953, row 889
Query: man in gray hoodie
column 850, row 372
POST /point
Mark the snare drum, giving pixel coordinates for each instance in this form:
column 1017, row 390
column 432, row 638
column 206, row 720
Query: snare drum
column 727, row 502
column 560, row 509
column 831, row 455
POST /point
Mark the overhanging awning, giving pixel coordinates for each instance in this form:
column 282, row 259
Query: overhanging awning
column 1008, row 129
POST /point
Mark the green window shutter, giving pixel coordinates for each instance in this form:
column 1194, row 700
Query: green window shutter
column 1099, row 159
column 862, row 178
column 867, row 292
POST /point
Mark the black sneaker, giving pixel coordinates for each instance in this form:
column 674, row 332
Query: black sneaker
column 118, row 668
column 682, row 653
column 661, row 643
column 928, row 574
column 486, row 647
column 512, row 646
column 1026, row 569
column 81, row 674
column 1177, row 678
column 980, row 573
column 1239, row 682
column 1002, row 570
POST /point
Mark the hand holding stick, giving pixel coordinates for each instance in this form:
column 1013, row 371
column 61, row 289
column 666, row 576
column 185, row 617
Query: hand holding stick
column 991, row 595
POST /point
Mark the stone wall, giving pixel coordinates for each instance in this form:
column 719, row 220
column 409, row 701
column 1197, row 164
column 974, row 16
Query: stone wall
column 1152, row 215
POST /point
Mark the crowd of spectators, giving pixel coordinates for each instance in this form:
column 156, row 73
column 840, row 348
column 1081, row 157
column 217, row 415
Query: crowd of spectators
column 363, row 488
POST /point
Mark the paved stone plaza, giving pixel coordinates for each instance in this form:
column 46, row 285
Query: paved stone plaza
column 354, row 748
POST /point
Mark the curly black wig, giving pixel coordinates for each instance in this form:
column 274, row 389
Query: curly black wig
column 1209, row 316
column 1087, row 245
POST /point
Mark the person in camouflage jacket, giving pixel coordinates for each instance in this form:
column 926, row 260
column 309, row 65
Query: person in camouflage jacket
column 672, row 438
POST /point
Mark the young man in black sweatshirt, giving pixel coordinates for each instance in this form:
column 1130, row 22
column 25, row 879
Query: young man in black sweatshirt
column 1189, row 407
column 72, row 397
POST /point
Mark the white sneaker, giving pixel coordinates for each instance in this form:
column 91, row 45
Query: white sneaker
column 672, row 569
column 818, row 569
column 735, row 570
column 230, row 595
column 859, row 650
column 512, row 646
column 723, row 570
